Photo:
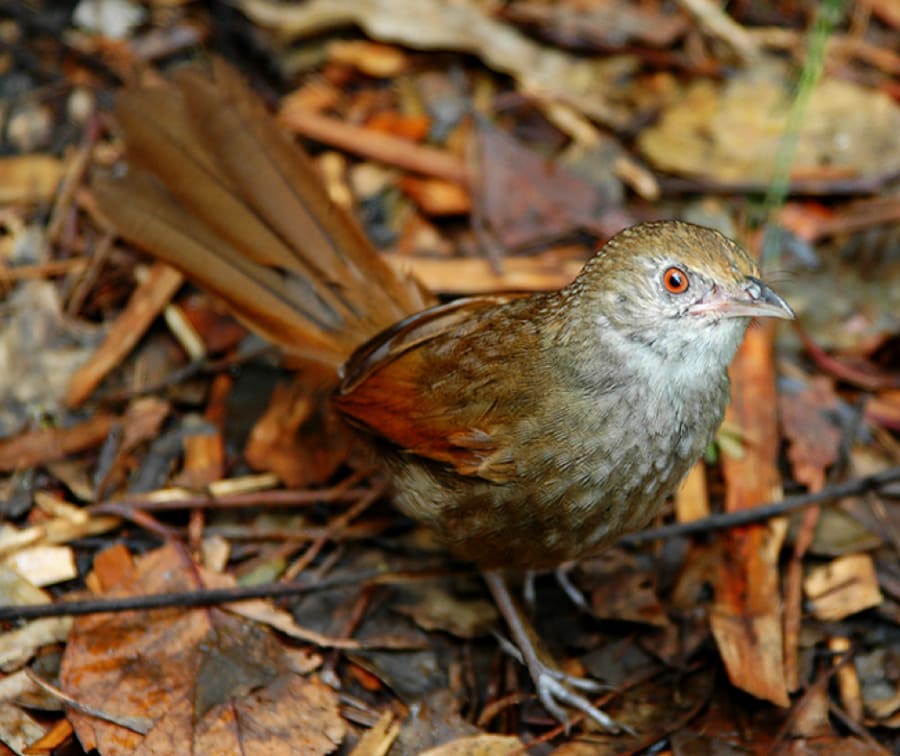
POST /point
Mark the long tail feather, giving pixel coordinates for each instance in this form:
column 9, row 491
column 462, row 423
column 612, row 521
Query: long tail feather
column 241, row 210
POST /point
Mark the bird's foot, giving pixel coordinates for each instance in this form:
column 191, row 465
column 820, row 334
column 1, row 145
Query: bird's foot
column 555, row 690
column 573, row 593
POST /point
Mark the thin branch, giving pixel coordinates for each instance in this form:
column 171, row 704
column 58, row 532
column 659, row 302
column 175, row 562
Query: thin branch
column 854, row 487
column 208, row 596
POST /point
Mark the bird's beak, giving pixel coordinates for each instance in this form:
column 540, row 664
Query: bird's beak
column 752, row 299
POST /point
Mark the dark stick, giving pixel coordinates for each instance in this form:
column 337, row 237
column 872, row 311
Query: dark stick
column 186, row 599
column 853, row 487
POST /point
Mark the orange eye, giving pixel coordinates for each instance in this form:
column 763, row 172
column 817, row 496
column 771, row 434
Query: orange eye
column 676, row 280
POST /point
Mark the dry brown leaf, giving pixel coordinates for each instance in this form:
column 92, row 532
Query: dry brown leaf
column 18, row 729
column 692, row 499
column 525, row 198
column 34, row 448
column 44, row 565
column 602, row 24
column 432, row 607
column 746, row 621
column 470, row 275
column 814, row 439
column 204, row 460
column 19, row 645
column 206, row 681
column 378, row 739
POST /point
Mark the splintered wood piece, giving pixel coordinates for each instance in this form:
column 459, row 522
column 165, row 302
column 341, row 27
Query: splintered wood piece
column 842, row 587
column 746, row 621
column 146, row 303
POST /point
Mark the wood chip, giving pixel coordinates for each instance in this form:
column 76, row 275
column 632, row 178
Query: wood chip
column 843, row 587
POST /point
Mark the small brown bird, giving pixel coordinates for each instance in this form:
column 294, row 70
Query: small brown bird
column 527, row 431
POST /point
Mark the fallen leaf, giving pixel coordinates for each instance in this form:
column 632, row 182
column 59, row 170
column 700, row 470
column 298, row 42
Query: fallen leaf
column 207, row 682
column 731, row 132
column 814, row 439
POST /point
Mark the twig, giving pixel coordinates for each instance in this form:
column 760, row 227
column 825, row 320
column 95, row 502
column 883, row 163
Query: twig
column 186, row 599
column 207, row 596
column 853, row 487
column 375, row 145
column 720, row 25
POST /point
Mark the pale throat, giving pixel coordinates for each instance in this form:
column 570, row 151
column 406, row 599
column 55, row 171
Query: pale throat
column 687, row 358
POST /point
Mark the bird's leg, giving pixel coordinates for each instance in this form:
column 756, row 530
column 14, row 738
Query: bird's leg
column 554, row 687
column 561, row 573
column 570, row 589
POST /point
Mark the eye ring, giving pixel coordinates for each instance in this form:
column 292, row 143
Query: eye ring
column 675, row 280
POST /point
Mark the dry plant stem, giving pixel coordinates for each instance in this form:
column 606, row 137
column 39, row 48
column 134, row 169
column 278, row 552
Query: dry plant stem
column 72, row 181
column 554, row 687
column 869, row 381
column 363, row 600
column 499, row 705
column 186, row 599
column 136, row 724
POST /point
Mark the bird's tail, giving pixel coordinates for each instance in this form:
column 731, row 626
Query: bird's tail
column 214, row 188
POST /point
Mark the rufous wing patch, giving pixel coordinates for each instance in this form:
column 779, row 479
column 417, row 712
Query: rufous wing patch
column 386, row 393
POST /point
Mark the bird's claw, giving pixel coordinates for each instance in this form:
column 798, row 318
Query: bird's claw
column 554, row 688
column 582, row 683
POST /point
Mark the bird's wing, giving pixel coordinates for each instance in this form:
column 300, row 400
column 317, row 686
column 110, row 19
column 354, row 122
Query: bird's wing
column 387, row 390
